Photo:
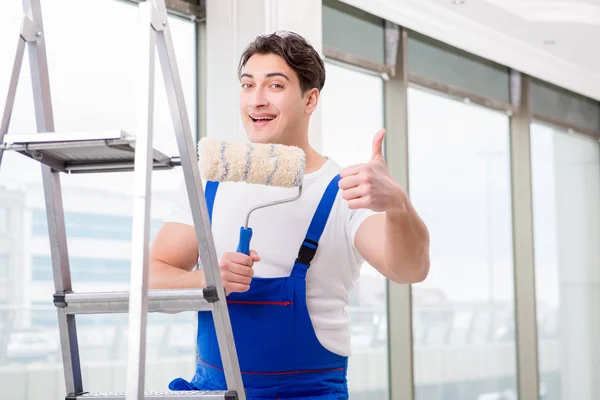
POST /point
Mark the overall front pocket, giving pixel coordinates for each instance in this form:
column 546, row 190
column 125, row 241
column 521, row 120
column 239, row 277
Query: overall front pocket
column 264, row 335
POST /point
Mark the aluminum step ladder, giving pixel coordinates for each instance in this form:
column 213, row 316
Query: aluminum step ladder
column 114, row 151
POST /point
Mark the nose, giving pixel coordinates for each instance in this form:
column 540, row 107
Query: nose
column 259, row 98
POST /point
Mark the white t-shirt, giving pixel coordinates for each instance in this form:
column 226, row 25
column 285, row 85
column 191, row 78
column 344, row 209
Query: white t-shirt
column 278, row 233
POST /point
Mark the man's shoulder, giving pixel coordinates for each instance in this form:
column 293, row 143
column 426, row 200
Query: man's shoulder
column 329, row 170
column 319, row 184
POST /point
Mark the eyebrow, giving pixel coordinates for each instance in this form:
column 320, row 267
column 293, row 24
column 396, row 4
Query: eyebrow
column 269, row 75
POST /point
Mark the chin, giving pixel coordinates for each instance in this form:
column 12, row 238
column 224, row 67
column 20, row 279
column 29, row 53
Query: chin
column 261, row 137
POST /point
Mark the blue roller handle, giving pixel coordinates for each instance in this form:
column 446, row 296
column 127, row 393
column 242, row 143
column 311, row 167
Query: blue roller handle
column 245, row 236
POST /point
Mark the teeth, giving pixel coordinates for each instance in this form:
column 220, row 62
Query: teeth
column 262, row 118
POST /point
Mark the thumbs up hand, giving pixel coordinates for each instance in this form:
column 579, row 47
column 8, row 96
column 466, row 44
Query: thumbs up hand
column 377, row 153
column 370, row 185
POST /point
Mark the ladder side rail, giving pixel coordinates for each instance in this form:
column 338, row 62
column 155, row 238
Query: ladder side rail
column 53, row 199
column 12, row 88
column 153, row 20
column 193, row 181
column 138, row 297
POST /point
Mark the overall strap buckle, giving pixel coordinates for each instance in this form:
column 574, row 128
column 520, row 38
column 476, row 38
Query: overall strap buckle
column 317, row 224
column 307, row 251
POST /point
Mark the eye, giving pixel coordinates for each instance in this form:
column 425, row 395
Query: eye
column 246, row 85
column 277, row 86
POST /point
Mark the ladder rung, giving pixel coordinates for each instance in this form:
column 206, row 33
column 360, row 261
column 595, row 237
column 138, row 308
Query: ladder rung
column 81, row 152
column 168, row 300
column 188, row 394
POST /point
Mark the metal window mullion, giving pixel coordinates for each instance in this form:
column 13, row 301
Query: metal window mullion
column 399, row 297
column 523, row 239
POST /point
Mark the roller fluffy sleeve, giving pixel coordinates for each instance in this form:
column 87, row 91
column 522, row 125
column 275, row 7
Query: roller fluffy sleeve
column 263, row 164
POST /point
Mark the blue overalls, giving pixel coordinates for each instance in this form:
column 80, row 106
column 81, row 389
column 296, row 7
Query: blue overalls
column 279, row 353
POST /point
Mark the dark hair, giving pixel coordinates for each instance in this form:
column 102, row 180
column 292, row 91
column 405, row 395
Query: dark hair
column 297, row 53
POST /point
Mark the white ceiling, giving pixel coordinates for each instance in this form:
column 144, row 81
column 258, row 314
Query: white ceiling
column 557, row 41
column 568, row 29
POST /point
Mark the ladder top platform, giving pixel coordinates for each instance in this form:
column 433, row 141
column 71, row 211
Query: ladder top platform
column 84, row 152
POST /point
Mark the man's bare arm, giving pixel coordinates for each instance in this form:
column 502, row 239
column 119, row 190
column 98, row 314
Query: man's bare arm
column 173, row 255
column 395, row 243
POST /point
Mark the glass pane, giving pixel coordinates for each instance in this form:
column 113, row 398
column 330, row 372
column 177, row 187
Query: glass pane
column 448, row 65
column 348, row 141
column 354, row 31
column 4, row 263
column 566, row 211
column 5, row 291
column 3, row 220
column 464, row 333
column 93, row 68
column 563, row 105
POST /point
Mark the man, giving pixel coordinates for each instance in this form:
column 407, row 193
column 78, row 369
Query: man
column 289, row 317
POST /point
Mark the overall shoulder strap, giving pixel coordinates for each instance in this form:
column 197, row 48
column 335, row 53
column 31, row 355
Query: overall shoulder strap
column 309, row 246
column 210, row 192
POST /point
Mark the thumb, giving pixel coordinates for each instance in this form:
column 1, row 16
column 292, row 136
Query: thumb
column 378, row 145
column 254, row 256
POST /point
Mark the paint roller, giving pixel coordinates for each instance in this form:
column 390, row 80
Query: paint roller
column 253, row 163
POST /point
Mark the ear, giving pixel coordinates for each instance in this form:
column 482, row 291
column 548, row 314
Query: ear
column 311, row 99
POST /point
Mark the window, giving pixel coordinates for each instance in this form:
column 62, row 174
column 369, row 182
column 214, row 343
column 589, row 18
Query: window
column 564, row 106
column 4, row 281
column 4, row 266
column 353, row 31
column 463, row 322
column 3, row 220
column 440, row 62
column 83, row 269
column 348, row 141
column 566, row 216
column 93, row 78
column 91, row 226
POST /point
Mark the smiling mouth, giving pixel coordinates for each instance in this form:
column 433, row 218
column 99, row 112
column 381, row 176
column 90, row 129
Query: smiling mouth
column 261, row 119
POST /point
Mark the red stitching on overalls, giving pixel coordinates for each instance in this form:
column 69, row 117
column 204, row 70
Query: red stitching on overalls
column 277, row 373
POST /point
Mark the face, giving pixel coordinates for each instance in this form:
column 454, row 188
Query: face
column 273, row 107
